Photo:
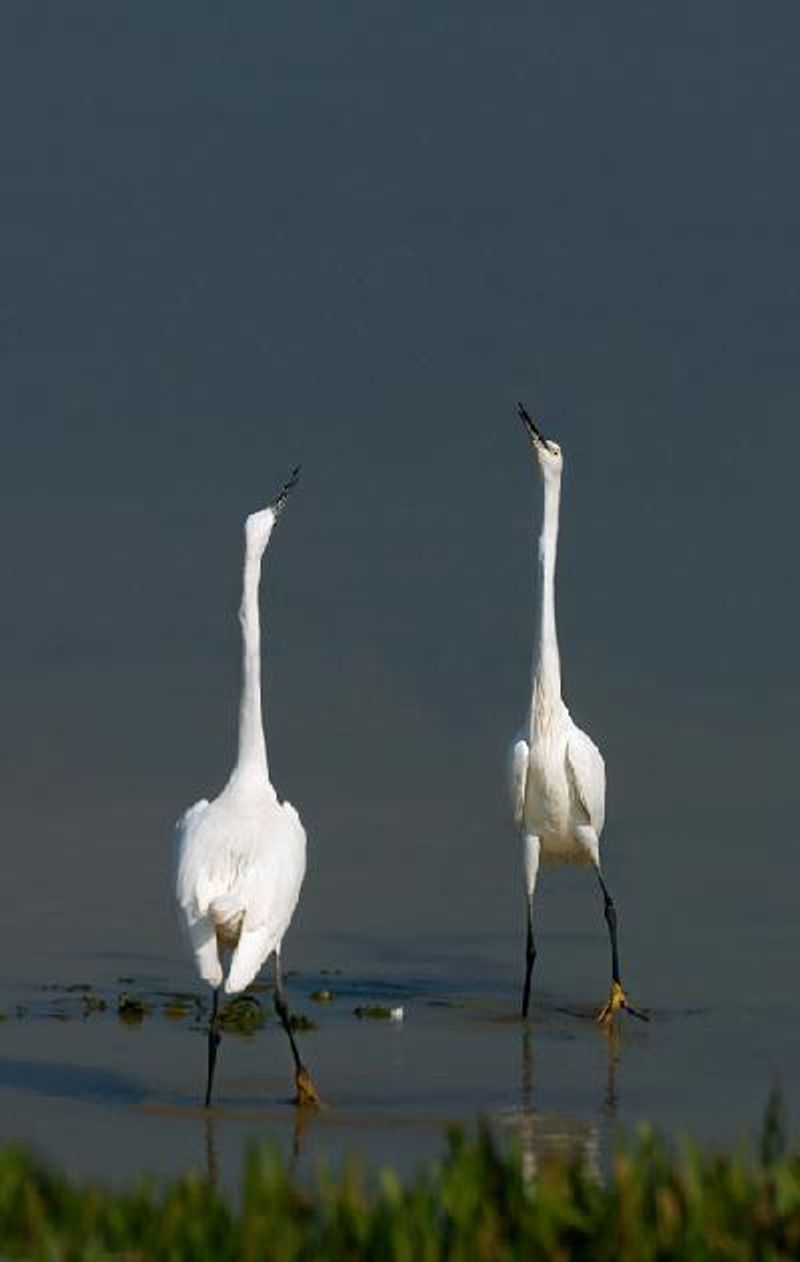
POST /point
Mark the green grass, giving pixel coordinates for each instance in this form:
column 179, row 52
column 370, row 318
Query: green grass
column 474, row 1204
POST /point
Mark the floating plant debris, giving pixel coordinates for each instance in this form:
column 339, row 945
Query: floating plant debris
column 93, row 1003
column 178, row 1006
column 131, row 1009
column 299, row 1021
column 374, row 1011
column 241, row 1015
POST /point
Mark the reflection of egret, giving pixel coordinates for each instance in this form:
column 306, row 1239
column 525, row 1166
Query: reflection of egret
column 542, row 1135
column 527, row 1124
column 212, row 1160
column 558, row 779
column 300, row 1122
column 612, row 1062
column 242, row 857
column 299, row 1128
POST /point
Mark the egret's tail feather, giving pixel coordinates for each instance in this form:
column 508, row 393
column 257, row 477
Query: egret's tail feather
column 253, row 948
column 224, row 908
column 226, row 913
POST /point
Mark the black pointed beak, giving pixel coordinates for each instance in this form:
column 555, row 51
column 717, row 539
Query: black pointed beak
column 537, row 438
column 288, row 487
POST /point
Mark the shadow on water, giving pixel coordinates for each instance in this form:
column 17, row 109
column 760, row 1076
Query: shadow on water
column 85, row 1083
column 391, row 1086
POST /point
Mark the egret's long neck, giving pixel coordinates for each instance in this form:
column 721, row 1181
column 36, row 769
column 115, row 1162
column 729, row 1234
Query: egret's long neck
column 546, row 685
column 252, row 760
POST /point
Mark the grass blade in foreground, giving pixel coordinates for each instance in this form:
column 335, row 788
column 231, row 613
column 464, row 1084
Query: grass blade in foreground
column 473, row 1205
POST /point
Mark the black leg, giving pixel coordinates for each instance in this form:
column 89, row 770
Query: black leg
column 530, row 957
column 306, row 1092
column 282, row 1009
column 214, row 1039
column 610, row 912
column 618, row 998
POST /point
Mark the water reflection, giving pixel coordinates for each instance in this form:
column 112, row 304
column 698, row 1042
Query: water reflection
column 300, row 1125
column 301, row 1120
column 212, row 1156
column 542, row 1134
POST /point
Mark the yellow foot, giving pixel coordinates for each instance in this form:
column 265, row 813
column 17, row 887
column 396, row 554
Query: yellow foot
column 306, row 1097
column 617, row 1000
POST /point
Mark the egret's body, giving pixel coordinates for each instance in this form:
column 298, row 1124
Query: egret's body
column 242, row 857
column 554, row 809
column 557, row 773
column 242, row 862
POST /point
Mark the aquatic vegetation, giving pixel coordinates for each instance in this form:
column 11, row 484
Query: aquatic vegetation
column 241, row 1015
column 373, row 1012
column 179, row 1006
column 93, row 1003
column 476, row 1203
column 322, row 996
column 131, row 1009
column 300, row 1022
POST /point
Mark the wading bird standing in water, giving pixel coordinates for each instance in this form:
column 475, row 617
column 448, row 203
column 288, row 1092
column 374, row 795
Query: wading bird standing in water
column 242, row 857
column 558, row 777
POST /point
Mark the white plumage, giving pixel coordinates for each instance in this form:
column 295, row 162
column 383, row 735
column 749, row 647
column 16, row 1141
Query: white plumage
column 241, row 865
column 558, row 789
column 557, row 774
column 241, row 858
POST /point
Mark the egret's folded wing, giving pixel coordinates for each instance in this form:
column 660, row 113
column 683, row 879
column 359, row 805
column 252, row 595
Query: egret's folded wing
column 269, row 893
column 588, row 776
column 518, row 775
column 271, row 887
column 185, row 826
column 252, row 950
column 203, row 938
column 190, row 818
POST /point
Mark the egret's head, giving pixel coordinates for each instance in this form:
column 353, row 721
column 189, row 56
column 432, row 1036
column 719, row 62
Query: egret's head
column 258, row 526
column 548, row 452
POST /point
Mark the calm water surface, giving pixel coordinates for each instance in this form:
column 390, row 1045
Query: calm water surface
column 110, row 1099
column 243, row 239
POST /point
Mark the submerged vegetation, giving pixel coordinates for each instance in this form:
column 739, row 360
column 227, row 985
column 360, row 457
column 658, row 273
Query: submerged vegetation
column 136, row 1002
column 374, row 1012
column 131, row 1009
column 243, row 1014
column 479, row 1202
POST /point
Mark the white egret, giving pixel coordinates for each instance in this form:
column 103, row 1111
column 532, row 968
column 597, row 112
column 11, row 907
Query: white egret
column 558, row 778
column 241, row 859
